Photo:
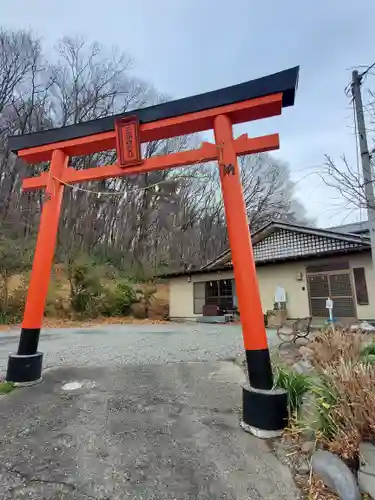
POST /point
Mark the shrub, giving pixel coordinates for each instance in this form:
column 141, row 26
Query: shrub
column 346, row 406
column 117, row 302
column 145, row 296
column 295, row 384
column 331, row 346
column 57, row 303
column 138, row 310
column 13, row 311
column 368, row 353
column 85, row 288
column 345, row 399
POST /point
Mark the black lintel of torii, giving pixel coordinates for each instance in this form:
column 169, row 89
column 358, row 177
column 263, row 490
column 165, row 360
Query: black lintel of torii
column 284, row 82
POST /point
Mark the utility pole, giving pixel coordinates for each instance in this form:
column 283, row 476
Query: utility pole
column 365, row 160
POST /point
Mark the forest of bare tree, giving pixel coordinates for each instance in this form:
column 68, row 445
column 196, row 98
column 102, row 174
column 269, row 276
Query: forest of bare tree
column 143, row 224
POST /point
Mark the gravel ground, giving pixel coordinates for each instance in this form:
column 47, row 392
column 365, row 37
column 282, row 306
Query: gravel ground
column 116, row 345
column 135, row 432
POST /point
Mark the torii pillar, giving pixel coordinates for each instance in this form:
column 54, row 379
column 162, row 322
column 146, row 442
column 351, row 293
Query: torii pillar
column 264, row 407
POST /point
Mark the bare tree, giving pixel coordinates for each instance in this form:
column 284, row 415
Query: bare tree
column 141, row 223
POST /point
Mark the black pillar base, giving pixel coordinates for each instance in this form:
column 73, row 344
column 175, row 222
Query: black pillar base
column 265, row 412
column 24, row 369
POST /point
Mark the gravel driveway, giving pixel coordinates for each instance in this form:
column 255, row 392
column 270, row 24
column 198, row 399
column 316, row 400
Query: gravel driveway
column 116, row 345
column 130, row 412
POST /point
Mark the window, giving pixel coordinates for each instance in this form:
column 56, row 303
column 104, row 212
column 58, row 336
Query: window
column 220, row 293
column 360, row 286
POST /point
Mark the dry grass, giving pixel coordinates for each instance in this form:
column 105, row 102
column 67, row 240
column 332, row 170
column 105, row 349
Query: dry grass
column 345, row 398
column 318, row 491
column 332, row 346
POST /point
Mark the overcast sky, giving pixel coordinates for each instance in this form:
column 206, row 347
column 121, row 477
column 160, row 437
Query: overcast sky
column 186, row 47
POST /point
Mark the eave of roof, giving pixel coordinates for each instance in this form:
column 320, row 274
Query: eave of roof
column 284, row 82
column 265, row 230
column 222, row 268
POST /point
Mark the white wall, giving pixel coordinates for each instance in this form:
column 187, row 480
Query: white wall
column 269, row 277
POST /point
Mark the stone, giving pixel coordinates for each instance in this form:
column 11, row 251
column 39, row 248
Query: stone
column 306, row 352
column 303, row 366
column 308, row 415
column 367, row 458
column 366, row 483
column 335, row 474
column 366, row 326
column 304, row 468
column 366, row 473
column 308, row 447
column 72, row 386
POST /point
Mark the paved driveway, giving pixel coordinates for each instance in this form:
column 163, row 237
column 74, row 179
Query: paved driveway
column 137, row 415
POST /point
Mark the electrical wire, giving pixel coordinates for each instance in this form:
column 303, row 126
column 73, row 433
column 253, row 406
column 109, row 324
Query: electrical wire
column 367, row 70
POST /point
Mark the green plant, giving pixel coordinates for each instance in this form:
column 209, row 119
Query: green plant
column 85, row 287
column 345, row 398
column 326, row 399
column 57, row 303
column 117, row 302
column 295, row 384
column 368, row 353
column 15, row 258
column 6, row 387
column 145, row 296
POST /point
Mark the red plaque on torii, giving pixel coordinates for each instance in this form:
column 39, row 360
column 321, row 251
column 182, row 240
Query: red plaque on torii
column 128, row 143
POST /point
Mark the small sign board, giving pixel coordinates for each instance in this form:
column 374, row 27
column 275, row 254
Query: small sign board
column 329, row 304
column 128, row 143
column 280, row 295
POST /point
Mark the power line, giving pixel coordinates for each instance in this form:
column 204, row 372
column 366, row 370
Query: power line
column 367, row 70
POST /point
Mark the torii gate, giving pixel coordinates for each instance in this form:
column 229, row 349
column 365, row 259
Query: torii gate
column 264, row 409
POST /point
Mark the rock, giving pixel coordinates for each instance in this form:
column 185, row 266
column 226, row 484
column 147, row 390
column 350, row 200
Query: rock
column 335, row 475
column 304, row 468
column 308, row 415
column 366, row 326
column 308, row 447
column 366, row 473
column 303, row 366
column 306, row 352
column 367, row 458
column 366, row 483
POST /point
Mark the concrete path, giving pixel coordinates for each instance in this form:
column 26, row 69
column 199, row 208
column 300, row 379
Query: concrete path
column 150, row 432
column 135, row 412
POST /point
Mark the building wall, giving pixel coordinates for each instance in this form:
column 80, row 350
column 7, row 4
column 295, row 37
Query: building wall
column 269, row 278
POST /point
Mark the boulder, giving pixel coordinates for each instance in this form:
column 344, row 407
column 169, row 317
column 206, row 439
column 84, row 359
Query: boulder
column 367, row 327
column 308, row 447
column 335, row 474
column 308, row 415
column 303, row 366
column 306, row 352
column 366, row 473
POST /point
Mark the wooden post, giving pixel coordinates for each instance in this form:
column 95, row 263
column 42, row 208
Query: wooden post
column 253, row 329
column 40, row 275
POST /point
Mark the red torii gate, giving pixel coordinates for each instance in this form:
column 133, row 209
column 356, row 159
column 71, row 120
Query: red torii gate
column 264, row 409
